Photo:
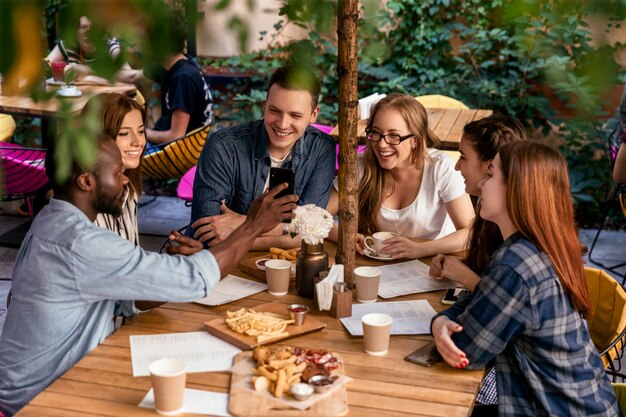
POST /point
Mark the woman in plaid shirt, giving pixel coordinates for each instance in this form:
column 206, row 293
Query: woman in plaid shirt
column 526, row 312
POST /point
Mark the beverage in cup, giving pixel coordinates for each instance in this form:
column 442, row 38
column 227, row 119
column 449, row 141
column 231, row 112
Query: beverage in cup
column 376, row 333
column 367, row 280
column 278, row 275
column 58, row 70
column 377, row 241
column 168, row 382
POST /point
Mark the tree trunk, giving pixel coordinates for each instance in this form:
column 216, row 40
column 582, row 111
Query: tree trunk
column 347, row 69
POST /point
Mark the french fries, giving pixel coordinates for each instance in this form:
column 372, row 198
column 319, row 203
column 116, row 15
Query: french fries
column 262, row 325
column 276, row 370
column 278, row 253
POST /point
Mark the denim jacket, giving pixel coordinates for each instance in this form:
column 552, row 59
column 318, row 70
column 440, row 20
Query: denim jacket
column 235, row 163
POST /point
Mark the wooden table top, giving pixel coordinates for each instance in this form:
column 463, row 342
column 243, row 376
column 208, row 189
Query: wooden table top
column 102, row 384
column 22, row 105
column 446, row 123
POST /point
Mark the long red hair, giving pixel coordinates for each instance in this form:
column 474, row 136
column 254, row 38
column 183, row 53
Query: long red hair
column 540, row 206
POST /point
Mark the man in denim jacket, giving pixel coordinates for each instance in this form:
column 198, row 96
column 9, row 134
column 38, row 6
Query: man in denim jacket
column 235, row 163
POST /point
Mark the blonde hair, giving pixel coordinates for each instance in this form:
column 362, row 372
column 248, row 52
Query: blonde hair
column 375, row 178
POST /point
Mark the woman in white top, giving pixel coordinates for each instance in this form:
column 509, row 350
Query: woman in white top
column 123, row 119
column 407, row 187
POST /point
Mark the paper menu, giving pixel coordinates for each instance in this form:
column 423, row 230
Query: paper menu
column 201, row 351
column 409, row 317
column 231, row 288
column 409, row 278
column 196, row 402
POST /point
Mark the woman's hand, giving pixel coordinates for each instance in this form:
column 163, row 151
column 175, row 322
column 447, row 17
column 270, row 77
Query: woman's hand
column 401, row 247
column 443, row 328
column 436, row 266
column 360, row 243
column 454, row 269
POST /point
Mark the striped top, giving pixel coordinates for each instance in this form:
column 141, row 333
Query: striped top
column 126, row 224
column 77, row 56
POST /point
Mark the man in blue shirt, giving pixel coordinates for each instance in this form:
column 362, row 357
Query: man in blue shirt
column 71, row 276
column 235, row 163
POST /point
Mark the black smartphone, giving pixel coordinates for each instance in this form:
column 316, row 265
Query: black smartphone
column 280, row 175
column 453, row 295
column 426, row 355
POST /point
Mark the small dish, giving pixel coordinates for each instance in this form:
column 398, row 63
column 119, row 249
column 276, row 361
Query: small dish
column 297, row 312
column 260, row 263
column 69, row 92
column 367, row 252
column 321, row 383
column 301, row 391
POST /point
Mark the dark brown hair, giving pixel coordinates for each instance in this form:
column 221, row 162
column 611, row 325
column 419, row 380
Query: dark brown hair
column 486, row 136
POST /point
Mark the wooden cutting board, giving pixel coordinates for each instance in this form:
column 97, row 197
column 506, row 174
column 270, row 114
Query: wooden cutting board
column 244, row 403
column 218, row 327
column 249, row 266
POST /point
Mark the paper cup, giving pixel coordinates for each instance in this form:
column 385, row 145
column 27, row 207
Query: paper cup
column 168, row 383
column 376, row 332
column 278, row 275
column 367, row 280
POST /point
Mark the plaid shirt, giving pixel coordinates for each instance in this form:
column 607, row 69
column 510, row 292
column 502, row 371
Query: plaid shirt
column 519, row 316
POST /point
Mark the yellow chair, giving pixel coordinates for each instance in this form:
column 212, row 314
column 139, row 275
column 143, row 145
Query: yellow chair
column 7, row 127
column 174, row 159
column 607, row 318
column 620, row 394
column 437, row 101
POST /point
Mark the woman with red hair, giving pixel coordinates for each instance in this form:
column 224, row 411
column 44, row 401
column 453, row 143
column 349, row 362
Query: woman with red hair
column 526, row 312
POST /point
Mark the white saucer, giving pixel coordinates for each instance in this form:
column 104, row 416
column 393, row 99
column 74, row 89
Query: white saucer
column 65, row 93
column 367, row 252
column 52, row 81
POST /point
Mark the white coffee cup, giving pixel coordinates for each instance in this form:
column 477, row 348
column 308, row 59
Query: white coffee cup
column 377, row 241
column 376, row 333
column 168, row 382
column 278, row 276
column 367, row 280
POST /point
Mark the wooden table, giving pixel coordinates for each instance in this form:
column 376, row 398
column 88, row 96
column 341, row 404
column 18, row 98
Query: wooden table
column 48, row 110
column 446, row 123
column 101, row 384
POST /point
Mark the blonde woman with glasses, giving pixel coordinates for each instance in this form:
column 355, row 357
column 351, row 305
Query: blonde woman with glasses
column 408, row 187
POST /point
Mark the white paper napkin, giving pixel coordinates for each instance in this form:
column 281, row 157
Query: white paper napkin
column 366, row 104
column 324, row 288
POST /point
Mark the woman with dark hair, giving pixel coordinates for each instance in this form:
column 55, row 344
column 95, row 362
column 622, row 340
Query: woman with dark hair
column 122, row 118
column 526, row 312
column 407, row 186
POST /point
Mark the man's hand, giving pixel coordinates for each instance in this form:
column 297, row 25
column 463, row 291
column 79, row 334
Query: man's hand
column 443, row 328
column 266, row 211
column 184, row 245
column 217, row 227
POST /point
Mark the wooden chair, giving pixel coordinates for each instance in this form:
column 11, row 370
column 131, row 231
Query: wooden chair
column 7, row 127
column 174, row 159
column 607, row 319
column 437, row 101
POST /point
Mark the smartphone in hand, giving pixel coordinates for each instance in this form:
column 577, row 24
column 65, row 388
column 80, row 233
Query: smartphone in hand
column 278, row 176
column 426, row 355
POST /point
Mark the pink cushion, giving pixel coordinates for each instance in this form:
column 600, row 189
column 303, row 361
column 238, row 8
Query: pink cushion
column 185, row 186
column 24, row 170
column 323, row 128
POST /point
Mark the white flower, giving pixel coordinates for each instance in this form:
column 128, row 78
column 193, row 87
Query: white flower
column 312, row 223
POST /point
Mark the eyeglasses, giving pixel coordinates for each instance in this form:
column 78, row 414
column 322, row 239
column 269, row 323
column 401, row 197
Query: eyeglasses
column 390, row 138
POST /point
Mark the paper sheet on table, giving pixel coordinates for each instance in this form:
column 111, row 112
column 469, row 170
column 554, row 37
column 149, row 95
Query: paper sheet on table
column 196, row 402
column 409, row 317
column 201, row 351
column 409, row 278
column 231, row 288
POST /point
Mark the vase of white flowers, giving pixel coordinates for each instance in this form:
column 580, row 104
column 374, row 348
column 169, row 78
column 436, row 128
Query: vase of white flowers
column 313, row 224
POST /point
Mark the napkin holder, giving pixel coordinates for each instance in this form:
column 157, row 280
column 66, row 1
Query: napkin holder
column 341, row 305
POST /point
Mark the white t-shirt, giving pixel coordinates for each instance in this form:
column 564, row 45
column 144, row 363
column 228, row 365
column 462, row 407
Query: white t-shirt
column 426, row 217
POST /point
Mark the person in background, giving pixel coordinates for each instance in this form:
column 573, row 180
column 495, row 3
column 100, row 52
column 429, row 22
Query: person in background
column 83, row 53
column 70, row 275
column 479, row 144
column 408, row 187
column 123, row 119
column 526, row 312
column 235, row 163
column 186, row 101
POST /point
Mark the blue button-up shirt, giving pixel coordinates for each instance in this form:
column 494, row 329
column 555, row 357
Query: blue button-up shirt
column 68, row 280
column 235, row 164
column 519, row 316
